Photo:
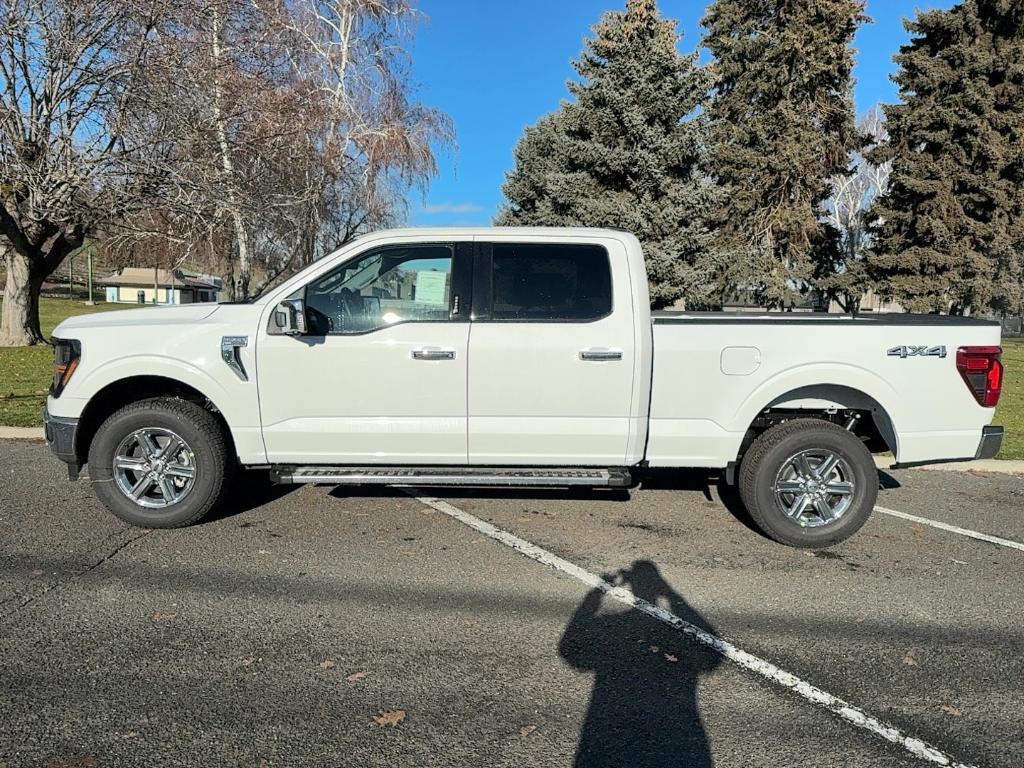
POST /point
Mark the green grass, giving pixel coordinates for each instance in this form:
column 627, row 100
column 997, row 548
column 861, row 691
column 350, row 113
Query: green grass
column 25, row 372
column 25, row 376
column 1010, row 411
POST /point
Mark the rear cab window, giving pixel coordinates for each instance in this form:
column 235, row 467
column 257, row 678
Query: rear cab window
column 549, row 282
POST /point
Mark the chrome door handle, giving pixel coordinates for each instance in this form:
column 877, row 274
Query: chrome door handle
column 433, row 353
column 600, row 354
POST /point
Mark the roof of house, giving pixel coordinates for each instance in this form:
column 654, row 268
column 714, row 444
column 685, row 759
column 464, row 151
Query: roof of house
column 144, row 277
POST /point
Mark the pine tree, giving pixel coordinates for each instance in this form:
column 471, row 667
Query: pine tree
column 949, row 234
column 626, row 152
column 782, row 127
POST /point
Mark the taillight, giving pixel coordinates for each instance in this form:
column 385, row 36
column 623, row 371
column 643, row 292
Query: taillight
column 66, row 354
column 982, row 371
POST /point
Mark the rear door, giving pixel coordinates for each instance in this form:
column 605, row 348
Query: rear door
column 551, row 354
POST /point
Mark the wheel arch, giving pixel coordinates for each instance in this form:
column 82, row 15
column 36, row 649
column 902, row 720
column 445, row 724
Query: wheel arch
column 130, row 389
column 824, row 401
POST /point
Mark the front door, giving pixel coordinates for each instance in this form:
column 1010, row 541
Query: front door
column 551, row 356
column 380, row 375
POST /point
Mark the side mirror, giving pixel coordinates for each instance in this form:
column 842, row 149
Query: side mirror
column 290, row 317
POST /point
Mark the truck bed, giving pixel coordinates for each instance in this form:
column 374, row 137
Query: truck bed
column 714, row 372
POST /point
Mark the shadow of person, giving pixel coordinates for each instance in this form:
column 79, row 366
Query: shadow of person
column 643, row 710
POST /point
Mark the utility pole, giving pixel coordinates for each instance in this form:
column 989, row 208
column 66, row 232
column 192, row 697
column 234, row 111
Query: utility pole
column 88, row 263
column 71, row 277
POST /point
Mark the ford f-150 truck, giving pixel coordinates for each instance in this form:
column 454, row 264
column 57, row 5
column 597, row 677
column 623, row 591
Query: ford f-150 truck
column 511, row 357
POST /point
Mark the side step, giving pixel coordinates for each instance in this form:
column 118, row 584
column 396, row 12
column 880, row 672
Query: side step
column 489, row 476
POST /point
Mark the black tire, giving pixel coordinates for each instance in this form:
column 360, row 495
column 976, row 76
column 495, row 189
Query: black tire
column 769, row 455
column 202, row 434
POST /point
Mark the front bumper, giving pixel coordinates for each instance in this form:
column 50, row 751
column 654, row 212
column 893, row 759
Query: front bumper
column 60, row 438
column 991, row 441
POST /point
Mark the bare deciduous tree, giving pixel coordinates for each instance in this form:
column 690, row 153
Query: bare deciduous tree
column 847, row 211
column 250, row 136
column 295, row 129
column 67, row 68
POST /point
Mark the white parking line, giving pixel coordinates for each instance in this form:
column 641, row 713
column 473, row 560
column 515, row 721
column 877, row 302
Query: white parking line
column 748, row 661
column 952, row 528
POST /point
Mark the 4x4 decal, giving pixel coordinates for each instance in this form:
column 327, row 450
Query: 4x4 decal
column 904, row 352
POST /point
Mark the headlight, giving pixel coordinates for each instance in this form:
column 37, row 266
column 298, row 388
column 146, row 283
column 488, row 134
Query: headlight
column 66, row 354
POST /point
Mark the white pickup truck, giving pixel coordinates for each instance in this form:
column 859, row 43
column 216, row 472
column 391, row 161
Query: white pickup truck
column 511, row 357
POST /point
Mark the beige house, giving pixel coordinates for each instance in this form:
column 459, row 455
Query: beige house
column 142, row 285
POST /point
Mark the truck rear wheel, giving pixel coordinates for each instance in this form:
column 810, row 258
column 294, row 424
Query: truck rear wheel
column 808, row 483
column 159, row 463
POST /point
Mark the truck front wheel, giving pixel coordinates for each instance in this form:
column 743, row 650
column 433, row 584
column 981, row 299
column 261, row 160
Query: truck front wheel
column 159, row 463
column 808, row 483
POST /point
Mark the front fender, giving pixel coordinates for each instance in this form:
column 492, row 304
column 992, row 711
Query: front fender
column 111, row 372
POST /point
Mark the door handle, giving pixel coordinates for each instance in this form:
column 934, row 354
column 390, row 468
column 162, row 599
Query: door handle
column 600, row 354
column 433, row 353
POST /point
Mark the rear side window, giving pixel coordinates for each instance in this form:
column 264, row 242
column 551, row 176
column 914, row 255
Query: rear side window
column 548, row 282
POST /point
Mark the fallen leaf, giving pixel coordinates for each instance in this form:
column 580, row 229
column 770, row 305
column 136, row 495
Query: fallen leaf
column 526, row 730
column 389, row 717
column 950, row 710
column 38, row 572
column 73, row 761
column 355, row 677
column 917, row 530
column 909, row 659
column 654, row 649
column 163, row 616
column 669, row 657
column 327, row 664
column 248, row 661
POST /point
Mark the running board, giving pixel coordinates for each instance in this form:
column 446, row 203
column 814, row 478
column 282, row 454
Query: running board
column 490, row 476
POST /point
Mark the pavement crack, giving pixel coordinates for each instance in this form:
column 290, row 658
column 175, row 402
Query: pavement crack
column 23, row 601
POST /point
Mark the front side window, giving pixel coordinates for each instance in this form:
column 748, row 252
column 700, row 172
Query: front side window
column 551, row 282
column 392, row 285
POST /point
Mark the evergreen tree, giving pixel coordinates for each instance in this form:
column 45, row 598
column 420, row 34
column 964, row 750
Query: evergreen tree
column 626, row 152
column 782, row 127
column 949, row 234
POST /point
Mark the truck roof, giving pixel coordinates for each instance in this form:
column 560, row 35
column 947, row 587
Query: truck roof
column 478, row 231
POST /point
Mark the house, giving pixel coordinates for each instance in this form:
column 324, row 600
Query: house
column 143, row 285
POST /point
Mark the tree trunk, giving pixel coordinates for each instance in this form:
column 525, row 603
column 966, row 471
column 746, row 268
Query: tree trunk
column 19, row 321
column 244, row 274
column 240, row 284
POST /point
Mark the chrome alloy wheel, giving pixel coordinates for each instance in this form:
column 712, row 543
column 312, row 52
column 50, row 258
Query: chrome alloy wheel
column 154, row 467
column 814, row 487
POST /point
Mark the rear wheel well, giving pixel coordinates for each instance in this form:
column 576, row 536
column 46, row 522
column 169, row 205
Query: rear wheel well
column 849, row 408
column 124, row 391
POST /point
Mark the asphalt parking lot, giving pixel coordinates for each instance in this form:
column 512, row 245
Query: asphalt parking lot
column 359, row 627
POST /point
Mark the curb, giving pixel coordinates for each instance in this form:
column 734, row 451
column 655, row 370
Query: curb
column 994, row 466
column 22, row 433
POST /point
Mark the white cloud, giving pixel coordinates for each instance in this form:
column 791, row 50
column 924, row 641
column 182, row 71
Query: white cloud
column 434, row 208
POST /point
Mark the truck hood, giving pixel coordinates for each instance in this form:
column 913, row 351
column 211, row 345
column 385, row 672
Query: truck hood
column 144, row 316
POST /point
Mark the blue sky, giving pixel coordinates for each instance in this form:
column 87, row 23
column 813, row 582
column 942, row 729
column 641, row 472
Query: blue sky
column 497, row 66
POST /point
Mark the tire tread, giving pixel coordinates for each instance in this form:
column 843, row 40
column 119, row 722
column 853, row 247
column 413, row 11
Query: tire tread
column 751, row 462
column 198, row 417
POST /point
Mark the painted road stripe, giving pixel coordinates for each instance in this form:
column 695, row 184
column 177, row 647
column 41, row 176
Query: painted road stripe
column 952, row 528
column 748, row 661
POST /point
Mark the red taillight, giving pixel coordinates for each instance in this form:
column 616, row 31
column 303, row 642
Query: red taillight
column 982, row 371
